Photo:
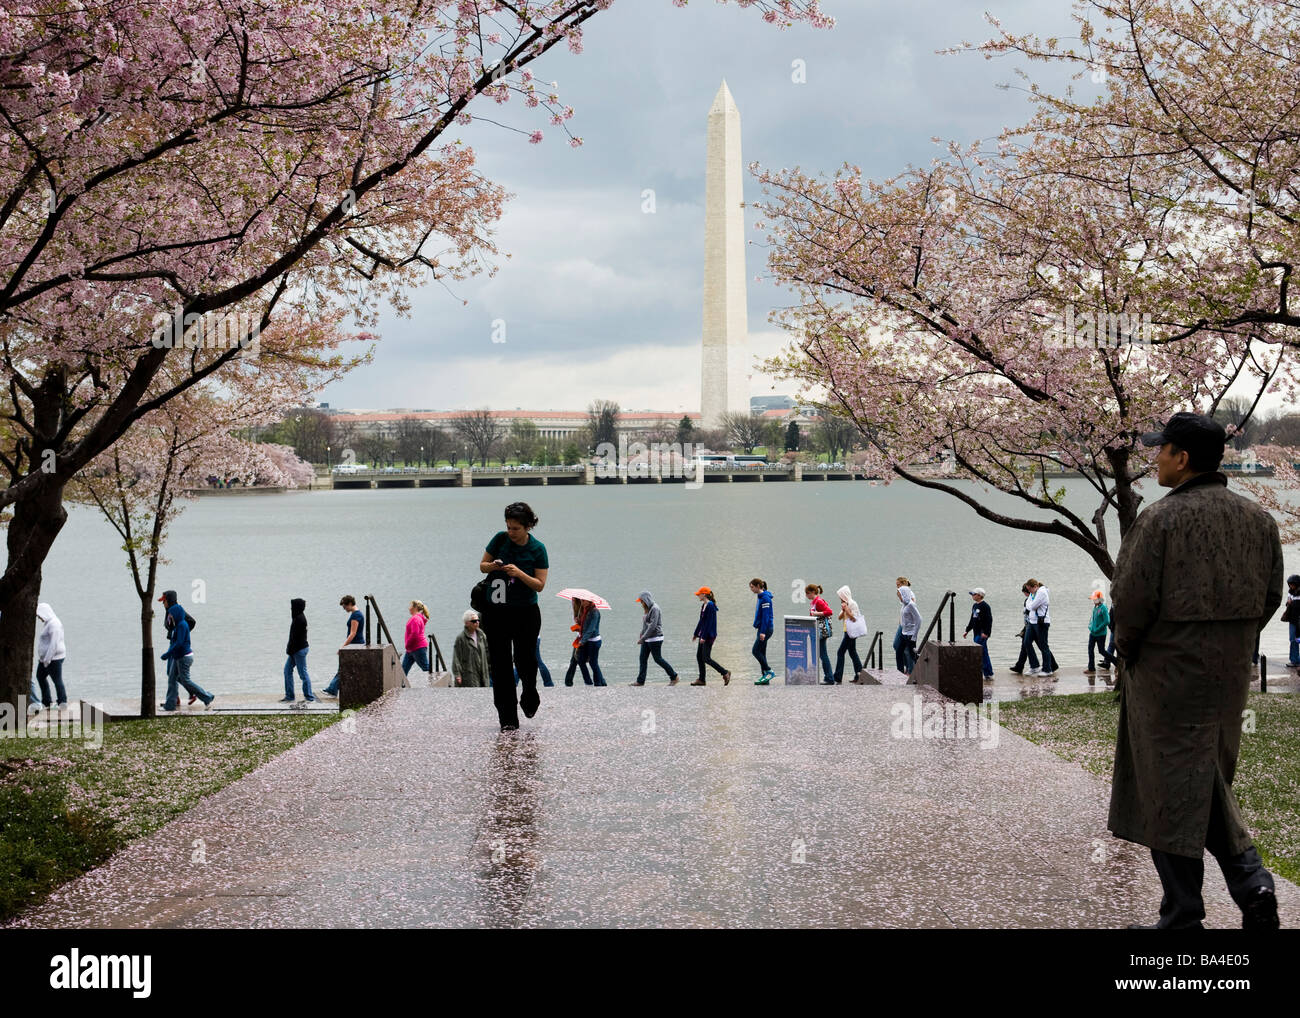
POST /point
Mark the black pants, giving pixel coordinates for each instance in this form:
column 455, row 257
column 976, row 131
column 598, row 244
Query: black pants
column 704, row 656
column 512, row 631
column 1182, row 876
column 655, row 647
column 759, row 650
column 1027, row 649
column 848, row 645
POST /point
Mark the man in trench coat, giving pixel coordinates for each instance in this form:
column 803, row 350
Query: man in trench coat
column 1198, row 575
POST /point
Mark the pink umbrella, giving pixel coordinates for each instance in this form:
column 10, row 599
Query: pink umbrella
column 579, row 594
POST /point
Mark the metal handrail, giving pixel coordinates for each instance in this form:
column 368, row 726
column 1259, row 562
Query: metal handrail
column 876, row 654
column 949, row 599
column 383, row 626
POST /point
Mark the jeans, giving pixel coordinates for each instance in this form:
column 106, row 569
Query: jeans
column 298, row 660
column 1097, row 642
column 512, row 633
column 826, row 658
column 419, row 656
column 573, row 667
column 904, row 651
column 1294, row 633
column 53, row 670
column 655, row 647
column 983, row 642
column 178, row 672
column 704, row 656
column 541, row 667
column 1040, row 637
column 1027, row 648
column 849, row 646
column 589, row 654
column 759, row 650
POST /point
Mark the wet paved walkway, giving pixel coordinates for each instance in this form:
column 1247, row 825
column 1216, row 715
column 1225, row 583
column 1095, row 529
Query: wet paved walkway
column 740, row 806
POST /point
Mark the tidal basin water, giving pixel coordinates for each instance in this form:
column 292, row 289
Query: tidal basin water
column 237, row 561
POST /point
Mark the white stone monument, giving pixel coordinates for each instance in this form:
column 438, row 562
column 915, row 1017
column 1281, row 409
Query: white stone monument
column 725, row 354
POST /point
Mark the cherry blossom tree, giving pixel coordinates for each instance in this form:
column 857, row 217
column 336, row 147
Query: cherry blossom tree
column 1032, row 305
column 217, row 162
column 147, row 478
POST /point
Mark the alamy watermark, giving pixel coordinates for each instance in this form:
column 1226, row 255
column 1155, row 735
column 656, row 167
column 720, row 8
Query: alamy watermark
column 211, row 331
column 650, row 459
column 1103, row 329
column 14, row 724
column 920, row 720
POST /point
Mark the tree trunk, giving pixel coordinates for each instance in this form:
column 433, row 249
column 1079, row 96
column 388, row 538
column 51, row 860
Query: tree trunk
column 148, row 688
column 37, row 520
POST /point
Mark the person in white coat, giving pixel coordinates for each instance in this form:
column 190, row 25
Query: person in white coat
column 1041, row 613
column 855, row 625
column 50, row 653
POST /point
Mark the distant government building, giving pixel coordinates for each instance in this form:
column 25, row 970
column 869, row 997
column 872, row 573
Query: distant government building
column 562, row 424
column 724, row 346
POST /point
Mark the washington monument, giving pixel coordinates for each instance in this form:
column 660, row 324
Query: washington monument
column 725, row 355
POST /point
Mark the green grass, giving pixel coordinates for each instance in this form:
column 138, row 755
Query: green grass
column 1082, row 728
column 66, row 806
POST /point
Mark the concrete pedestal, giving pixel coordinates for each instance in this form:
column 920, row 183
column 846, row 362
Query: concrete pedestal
column 955, row 669
column 367, row 673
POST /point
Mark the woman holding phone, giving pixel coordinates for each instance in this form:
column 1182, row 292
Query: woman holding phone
column 517, row 566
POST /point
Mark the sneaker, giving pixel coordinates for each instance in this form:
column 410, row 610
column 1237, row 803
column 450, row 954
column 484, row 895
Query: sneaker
column 287, row 699
column 1035, row 671
column 169, row 710
column 770, row 674
column 208, row 705
column 765, row 680
column 309, row 699
column 828, row 682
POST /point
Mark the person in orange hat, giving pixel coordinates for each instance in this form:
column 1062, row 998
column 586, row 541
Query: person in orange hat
column 706, row 631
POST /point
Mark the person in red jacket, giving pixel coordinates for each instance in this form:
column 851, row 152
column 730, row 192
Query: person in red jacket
column 820, row 610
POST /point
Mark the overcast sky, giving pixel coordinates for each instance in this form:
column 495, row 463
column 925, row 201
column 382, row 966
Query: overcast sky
column 603, row 301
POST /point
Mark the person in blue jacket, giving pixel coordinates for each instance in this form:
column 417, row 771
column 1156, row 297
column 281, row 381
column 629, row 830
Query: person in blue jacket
column 706, row 631
column 763, row 622
column 589, row 642
column 179, row 657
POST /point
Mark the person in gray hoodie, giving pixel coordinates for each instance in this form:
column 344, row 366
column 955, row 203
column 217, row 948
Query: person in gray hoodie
column 909, row 627
column 652, row 639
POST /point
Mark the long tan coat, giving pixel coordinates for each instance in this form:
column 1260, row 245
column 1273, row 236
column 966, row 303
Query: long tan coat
column 469, row 662
column 1198, row 575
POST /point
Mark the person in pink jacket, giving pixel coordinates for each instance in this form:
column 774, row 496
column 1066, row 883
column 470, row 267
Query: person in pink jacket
column 417, row 644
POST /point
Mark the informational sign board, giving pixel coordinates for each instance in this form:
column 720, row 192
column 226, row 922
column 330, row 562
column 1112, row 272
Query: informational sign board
column 801, row 659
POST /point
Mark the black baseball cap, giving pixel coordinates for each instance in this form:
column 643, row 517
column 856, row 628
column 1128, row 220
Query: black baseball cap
column 1196, row 433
